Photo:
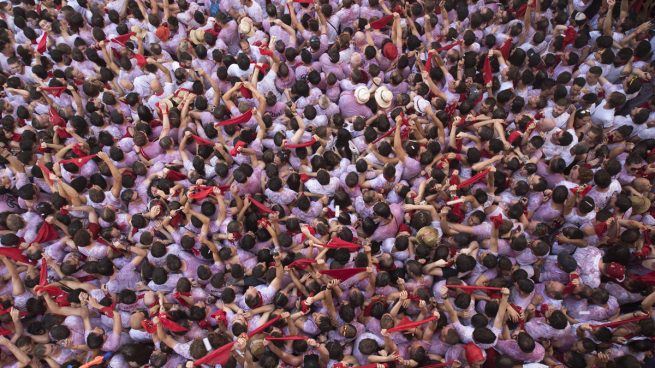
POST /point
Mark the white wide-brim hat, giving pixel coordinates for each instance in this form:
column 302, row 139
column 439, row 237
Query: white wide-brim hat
column 362, row 95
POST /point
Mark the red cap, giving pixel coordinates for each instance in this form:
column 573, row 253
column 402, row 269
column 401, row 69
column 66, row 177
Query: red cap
column 616, row 271
column 390, row 51
column 473, row 353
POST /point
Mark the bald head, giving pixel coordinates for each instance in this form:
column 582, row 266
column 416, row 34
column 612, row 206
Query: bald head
column 356, row 59
column 641, row 184
column 547, row 125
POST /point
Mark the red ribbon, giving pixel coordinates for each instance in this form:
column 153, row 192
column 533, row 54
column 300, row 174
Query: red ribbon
column 569, row 36
column 506, row 47
column 620, row 323
column 140, row 60
column 302, row 263
column 201, row 140
column 218, row 356
column 260, row 205
column 408, row 325
column 178, row 295
column 300, row 145
column 285, row 338
column 583, row 192
column 170, row 325
column 336, row 243
column 201, row 192
column 149, row 326
column 79, row 162
column 263, row 327
column 382, row 22
column 43, row 274
column 15, row 254
column 235, row 151
column 473, row 179
column 236, row 120
column 343, row 274
column 449, row 46
column 175, row 175
column 122, row 39
column 46, row 233
column 43, row 43
column 486, row 71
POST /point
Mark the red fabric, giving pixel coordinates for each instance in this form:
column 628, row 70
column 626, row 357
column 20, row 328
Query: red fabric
column 338, row 243
column 497, row 220
column 600, row 228
column 15, row 254
column 218, row 356
column 45, row 171
column 201, row 140
column 486, row 71
column 265, row 51
column 285, row 338
column 648, row 278
column 263, row 327
column 569, row 36
column 235, row 151
column 245, row 92
column 520, row 12
column 5, row 332
column 220, row 316
column 260, row 205
column 57, row 120
column 473, row 179
column 77, row 149
column 620, row 323
column 46, row 233
column 79, row 162
column 382, row 22
column 108, row 311
column 55, row 91
column 411, row 325
column 43, row 43
column 506, row 47
column 473, row 353
column 236, row 120
column 449, row 46
column 148, row 326
column 343, row 274
column 178, row 295
column 140, row 60
column 170, row 325
column 428, row 62
column 122, row 39
column 584, row 192
column 302, row 263
column 43, row 274
column 201, row 192
column 175, row 175
column 514, row 136
column 299, row 145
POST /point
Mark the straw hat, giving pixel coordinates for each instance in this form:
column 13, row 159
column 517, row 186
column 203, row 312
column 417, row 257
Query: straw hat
column 246, row 27
column 362, row 95
column 197, row 36
column 429, row 236
column 639, row 204
column 383, row 97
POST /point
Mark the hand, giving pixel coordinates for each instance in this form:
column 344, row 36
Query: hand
column 504, row 291
column 444, row 292
column 14, row 313
column 611, row 3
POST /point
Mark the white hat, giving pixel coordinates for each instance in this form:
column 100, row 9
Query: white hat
column 580, row 17
column 420, row 104
column 383, row 97
column 246, row 26
column 362, row 94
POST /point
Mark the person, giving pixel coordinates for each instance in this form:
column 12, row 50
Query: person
column 379, row 183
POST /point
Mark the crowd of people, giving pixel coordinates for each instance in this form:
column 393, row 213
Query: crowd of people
column 323, row 183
